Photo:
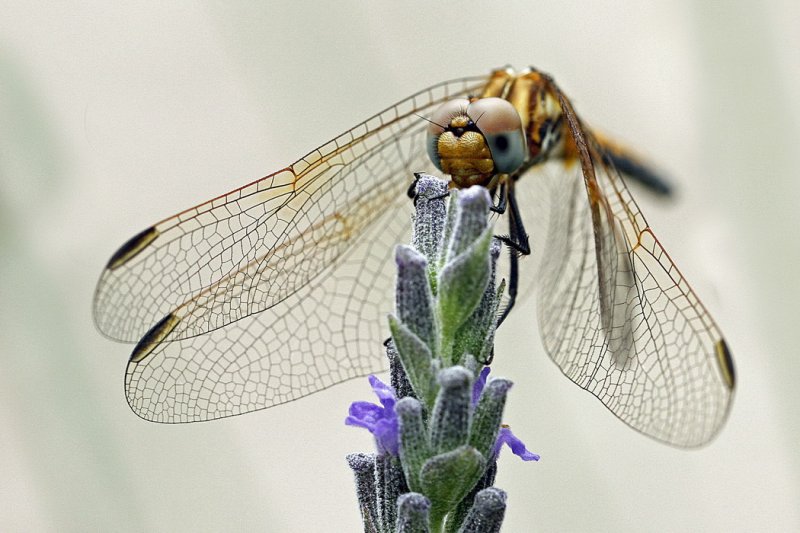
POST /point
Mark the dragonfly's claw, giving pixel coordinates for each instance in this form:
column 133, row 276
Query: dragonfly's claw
column 414, row 195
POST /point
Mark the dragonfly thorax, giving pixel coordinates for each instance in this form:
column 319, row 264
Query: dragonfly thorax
column 472, row 141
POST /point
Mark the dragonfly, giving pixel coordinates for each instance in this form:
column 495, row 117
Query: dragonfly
column 280, row 288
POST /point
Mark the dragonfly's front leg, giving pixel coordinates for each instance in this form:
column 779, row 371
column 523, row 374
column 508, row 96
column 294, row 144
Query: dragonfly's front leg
column 517, row 242
column 414, row 195
column 499, row 184
column 502, row 199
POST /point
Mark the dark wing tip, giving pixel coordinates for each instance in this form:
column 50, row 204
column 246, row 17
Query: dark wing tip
column 154, row 337
column 132, row 247
column 725, row 361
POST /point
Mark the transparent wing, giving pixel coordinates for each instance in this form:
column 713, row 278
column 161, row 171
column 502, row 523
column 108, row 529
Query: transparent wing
column 275, row 290
column 615, row 313
column 326, row 332
column 246, row 251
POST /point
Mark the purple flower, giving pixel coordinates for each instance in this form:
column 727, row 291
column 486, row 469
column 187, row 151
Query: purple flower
column 480, row 383
column 380, row 420
column 517, row 446
column 505, row 436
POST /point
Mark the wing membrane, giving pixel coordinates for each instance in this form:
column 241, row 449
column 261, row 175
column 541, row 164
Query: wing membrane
column 250, row 249
column 328, row 331
column 615, row 313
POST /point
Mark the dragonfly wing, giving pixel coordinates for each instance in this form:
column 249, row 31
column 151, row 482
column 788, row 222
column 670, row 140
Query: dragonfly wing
column 615, row 313
column 326, row 332
column 248, row 250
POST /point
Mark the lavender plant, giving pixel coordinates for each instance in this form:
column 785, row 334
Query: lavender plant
column 438, row 427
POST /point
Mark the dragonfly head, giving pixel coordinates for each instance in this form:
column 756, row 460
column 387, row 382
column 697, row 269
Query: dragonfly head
column 474, row 140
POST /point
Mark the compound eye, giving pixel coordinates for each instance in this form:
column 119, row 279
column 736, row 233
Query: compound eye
column 439, row 121
column 500, row 124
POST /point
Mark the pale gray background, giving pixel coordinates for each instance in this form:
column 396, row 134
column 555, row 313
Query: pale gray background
column 114, row 117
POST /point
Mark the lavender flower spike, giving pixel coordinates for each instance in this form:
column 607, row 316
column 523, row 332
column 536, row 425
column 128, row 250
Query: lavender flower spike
column 439, row 432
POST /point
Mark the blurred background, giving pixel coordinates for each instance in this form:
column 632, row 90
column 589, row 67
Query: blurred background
column 114, row 117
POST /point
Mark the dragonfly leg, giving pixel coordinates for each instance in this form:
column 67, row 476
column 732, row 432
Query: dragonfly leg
column 412, row 190
column 517, row 239
column 502, row 199
column 517, row 242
